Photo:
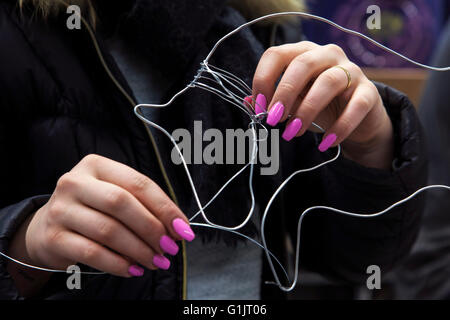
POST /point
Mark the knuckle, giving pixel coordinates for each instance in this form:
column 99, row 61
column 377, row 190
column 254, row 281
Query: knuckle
column 67, row 181
column 345, row 125
column 91, row 160
column 260, row 80
column 305, row 60
column 308, row 107
column 286, row 87
column 335, row 49
column 363, row 102
column 53, row 236
column 106, row 230
column 55, row 209
column 89, row 252
column 271, row 52
column 308, row 44
column 116, row 198
column 372, row 87
column 353, row 68
column 140, row 183
column 168, row 209
column 332, row 77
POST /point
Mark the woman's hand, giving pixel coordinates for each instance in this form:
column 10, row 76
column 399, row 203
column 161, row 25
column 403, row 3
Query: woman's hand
column 315, row 87
column 108, row 216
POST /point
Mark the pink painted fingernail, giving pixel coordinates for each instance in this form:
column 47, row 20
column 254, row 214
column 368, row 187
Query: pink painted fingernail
column 261, row 104
column 135, row 271
column 161, row 262
column 183, row 229
column 248, row 101
column 292, row 129
column 168, row 245
column 327, row 142
column 275, row 114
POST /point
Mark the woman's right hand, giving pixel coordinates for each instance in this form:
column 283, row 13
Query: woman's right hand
column 108, row 216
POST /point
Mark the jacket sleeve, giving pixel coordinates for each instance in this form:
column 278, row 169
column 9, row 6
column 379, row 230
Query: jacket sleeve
column 11, row 218
column 342, row 247
column 17, row 95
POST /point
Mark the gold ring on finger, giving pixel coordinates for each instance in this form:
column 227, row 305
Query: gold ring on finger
column 349, row 77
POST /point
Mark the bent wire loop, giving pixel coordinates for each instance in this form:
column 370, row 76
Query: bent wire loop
column 232, row 89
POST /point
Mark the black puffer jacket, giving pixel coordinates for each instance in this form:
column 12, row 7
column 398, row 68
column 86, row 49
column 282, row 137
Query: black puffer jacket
column 58, row 104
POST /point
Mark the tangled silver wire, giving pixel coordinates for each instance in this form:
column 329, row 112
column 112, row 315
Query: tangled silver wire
column 233, row 90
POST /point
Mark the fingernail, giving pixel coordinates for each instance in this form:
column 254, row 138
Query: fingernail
column 183, row 229
column 292, row 129
column 248, row 101
column 327, row 142
column 261, row 104
column 275, row 114
column 135, row 271
column 161, row 262
column 168, row 245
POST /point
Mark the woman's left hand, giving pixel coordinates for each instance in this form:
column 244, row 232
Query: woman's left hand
column 319, row 84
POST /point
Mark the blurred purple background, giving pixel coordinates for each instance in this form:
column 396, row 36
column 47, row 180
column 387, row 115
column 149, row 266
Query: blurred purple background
column 411, row 27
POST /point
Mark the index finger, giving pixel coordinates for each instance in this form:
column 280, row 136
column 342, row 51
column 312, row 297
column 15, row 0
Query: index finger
column 272, row 64
column 146, row 191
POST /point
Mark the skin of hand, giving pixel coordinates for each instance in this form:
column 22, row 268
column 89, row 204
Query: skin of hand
column 304, row 82
column 103, row 214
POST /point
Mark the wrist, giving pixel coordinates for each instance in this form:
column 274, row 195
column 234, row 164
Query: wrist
column 376, row 152
column 18, row 246
column 27, row 280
